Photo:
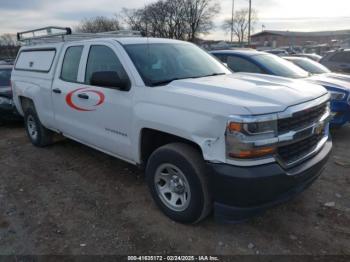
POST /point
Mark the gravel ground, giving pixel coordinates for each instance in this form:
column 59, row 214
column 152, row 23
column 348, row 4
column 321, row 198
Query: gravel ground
column 69, row 199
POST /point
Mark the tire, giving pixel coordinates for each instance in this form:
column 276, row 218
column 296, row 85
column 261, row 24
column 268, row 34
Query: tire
column 36, row 132
column 194, row 203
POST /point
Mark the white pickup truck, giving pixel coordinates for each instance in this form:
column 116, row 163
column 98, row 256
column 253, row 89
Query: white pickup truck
column 208, row 139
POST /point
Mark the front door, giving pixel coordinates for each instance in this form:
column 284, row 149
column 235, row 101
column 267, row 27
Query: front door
column 95, row 115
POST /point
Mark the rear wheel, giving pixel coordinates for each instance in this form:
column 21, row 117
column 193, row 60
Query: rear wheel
column 37, row 133
column 177, row 179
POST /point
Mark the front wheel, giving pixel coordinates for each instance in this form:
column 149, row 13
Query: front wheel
column 177, row 178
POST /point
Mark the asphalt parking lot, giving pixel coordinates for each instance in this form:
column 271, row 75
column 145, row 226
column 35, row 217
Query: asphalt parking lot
column 69, row 199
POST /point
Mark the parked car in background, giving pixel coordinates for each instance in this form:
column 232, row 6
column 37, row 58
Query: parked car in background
column 5, row 79
column 208, row 139
column 264, row 63
column 279, row 52
column 314, row 57
column 320, row 49
column 7, row 61
column 338, row 84
column 309, row 65
column 337, row 61
column 8, row 110
column 316, row 68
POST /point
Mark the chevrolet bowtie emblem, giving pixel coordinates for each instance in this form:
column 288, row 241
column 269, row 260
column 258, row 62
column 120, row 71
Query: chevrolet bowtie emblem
column 319, row 128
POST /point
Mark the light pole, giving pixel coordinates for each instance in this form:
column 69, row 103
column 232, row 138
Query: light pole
column 249, row 21
column 233, row 13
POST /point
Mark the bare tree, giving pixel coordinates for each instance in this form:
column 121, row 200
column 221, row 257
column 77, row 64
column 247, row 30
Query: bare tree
column 8, row 40
column 199, row 16
column 159, row 19
column 98, row 24
column 182, row 19
column 8, row 46
column 135, row 19
column 156, row 16
column 175, row 23
column 241, row 24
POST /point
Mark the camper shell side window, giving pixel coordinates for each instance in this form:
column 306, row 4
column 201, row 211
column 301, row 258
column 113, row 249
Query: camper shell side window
column 36, row 60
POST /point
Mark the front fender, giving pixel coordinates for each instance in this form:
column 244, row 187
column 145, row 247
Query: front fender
column 205, row 130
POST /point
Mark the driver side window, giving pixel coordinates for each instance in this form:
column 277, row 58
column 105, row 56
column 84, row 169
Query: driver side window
column 103, row 59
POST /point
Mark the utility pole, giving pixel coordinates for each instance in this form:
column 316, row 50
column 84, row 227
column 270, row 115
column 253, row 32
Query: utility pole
column 250, row 21
column 233, row 14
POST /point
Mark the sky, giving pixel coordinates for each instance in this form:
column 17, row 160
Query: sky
column 292, row 15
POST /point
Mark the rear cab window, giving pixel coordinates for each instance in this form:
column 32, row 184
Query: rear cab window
column 71, row 62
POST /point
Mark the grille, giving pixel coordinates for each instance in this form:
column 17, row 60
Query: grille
column 296, row 151
column 301, row 119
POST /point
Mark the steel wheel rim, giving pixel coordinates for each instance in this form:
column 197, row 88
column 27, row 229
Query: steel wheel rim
column 32, row 128
column 172, row 187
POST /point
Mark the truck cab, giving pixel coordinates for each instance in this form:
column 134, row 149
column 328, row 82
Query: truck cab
column 207, row 139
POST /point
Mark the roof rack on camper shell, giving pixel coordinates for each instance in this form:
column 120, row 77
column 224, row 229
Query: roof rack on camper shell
column 53, row 34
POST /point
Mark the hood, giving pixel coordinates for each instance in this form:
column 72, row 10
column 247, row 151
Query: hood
column 258, row 94
column 341, row 77
column 331, row 80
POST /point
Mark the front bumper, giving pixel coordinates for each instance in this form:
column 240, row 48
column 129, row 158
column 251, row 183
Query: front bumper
column 8, row 112
column 242, row 192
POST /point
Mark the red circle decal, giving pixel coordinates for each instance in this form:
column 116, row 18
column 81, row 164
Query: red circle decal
column 70, row 103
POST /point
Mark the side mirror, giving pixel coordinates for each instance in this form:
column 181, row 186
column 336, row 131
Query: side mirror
column 109, row 79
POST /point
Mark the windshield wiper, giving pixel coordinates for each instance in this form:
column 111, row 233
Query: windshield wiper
column 214, row 74
column 165, row 82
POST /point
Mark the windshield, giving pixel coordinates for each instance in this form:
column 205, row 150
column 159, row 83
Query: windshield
column 311, row 66
column 5, row 76
column 160, row 64
column 280, row 67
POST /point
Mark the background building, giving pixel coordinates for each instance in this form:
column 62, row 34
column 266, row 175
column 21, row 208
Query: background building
column 275, row 39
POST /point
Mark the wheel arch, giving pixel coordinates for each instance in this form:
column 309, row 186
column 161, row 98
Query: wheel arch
column 25, row 103
column 152, row 139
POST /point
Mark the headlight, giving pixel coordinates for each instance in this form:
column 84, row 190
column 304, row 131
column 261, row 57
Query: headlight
column 335, row 95
column 259, row 128
column 255, row 128
column 240, row 138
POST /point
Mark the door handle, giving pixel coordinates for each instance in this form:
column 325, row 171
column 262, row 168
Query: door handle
column 57, row 91
column 83, row 96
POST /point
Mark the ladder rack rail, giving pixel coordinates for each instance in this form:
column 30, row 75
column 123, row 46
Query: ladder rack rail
column 62, row 34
